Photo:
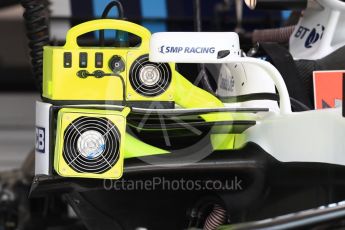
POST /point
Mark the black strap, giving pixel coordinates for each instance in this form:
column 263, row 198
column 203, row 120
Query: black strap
column 283, row 61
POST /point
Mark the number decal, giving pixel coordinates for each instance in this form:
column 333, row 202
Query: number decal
column 40, row 139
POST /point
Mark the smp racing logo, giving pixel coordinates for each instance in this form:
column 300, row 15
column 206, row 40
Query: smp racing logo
column 187, row 50
column 311, row 36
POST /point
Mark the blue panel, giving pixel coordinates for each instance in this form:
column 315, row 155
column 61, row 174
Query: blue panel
column 154, row 9
column 286, row 14
column 98, row 7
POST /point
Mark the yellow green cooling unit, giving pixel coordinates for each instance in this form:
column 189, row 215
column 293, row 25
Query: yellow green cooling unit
column 89, row 143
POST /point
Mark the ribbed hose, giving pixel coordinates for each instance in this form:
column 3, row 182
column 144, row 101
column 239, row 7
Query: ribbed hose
column 216, row 218
column 280, row 35
column 36, row 22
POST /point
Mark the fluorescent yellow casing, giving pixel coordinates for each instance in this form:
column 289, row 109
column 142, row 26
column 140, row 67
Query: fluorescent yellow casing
column 65, row 117
column 62, row 84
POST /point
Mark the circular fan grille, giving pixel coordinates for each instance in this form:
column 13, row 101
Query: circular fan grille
column 148, row 78
column 91, row 144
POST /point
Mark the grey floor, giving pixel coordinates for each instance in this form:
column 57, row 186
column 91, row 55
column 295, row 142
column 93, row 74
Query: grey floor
column 17, row 118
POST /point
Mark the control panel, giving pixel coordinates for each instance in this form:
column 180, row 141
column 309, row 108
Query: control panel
column 74, row 74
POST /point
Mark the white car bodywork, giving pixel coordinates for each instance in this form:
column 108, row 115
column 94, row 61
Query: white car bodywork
column 311, row 136
column 320, row 31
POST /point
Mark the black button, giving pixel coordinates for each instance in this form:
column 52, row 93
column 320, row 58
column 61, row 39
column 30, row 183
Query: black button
column 99, row 60
column 83, row 60
column 116, row 64
column 67, row 60
column 223, row 54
